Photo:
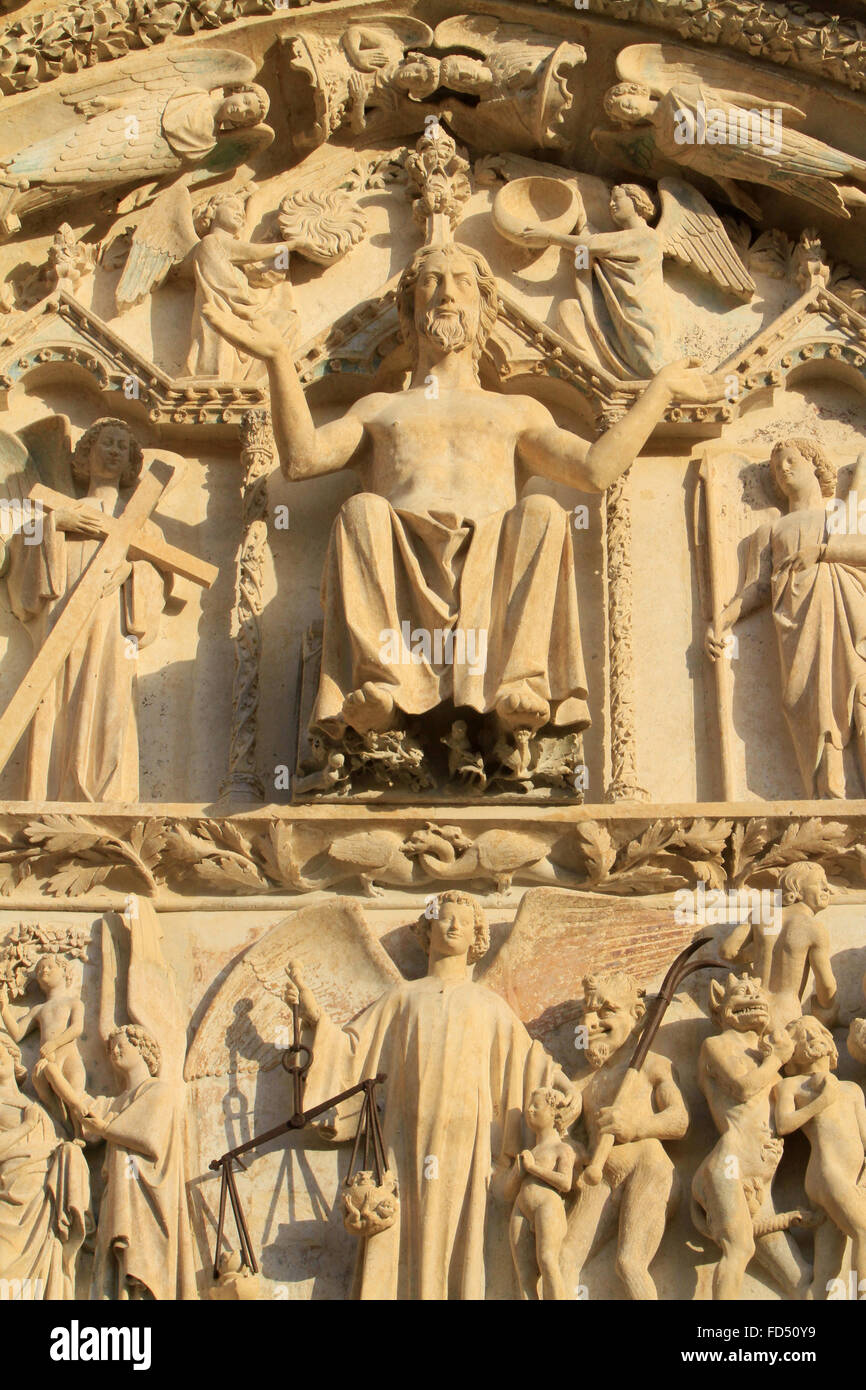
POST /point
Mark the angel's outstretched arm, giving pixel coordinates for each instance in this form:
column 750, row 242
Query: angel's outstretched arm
column 244, row 252
column 754, row 595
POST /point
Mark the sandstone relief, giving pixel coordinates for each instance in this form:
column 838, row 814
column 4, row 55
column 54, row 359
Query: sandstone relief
column 432, row 630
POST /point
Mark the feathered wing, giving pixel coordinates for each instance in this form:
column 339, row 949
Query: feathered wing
column 411, row 32
column 693, row 235
column 246, row 1026
column 18, row 474
column 163, row 73
column 485, row 34
column 163, row 238
column 100, row 151
column 49, row 444
column 664, row 66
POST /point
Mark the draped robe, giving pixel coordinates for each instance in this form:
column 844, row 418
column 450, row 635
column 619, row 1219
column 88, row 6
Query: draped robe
column 460, row 1068
column 44, row 1207
column 83, row 741
column 144, row 1207
column 509, row 576
column 820, row 621
column 629, row 333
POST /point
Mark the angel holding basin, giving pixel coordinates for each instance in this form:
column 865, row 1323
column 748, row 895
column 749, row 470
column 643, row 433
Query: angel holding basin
column 812, row 577
column 621, row 317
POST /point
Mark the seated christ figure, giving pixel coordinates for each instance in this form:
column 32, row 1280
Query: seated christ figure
column 437, row 540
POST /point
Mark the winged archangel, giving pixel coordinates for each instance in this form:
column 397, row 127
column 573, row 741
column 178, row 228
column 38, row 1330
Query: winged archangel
column 732, row 123
column 155, row 116
column 621, row 318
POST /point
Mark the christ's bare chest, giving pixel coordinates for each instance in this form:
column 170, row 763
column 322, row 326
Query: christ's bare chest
column 452, row 453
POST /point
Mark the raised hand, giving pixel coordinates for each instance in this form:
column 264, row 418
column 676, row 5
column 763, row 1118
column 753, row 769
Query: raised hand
column 688, row 381
column 259, row 337
column 298, row 992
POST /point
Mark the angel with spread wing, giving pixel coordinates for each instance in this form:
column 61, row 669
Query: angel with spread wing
column 83, row 740
column 739, row 131
column 622, row 320
column 143, row 1244
column 154, row 116
column 232, row 274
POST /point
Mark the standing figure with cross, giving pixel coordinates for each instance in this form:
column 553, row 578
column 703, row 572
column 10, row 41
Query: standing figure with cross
column 90, row 590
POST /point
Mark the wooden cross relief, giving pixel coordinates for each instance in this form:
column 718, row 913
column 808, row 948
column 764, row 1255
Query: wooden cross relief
column 124, row 539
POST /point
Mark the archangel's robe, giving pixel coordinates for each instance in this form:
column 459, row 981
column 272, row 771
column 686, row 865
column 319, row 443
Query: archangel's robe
column 83, row 740
column 143, row 1228
column 504, row 587
column 820, row 620
column 628, row 332
column 460, row 1067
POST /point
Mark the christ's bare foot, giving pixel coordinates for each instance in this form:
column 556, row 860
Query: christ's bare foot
column 521, row 708
column 370, row 709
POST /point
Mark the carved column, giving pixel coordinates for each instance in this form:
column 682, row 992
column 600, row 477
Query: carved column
column 257, row 457
column 623, row 785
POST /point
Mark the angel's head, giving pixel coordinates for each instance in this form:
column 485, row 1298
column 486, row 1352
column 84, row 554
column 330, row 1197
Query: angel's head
column 225, row 212
column 109, row 451
column 629, row 103
column 129, row 1043
column 417, row 76
column 454, row 924
column 795, row 463
column 243, row 106
column 627, row 199
column 10, row 1061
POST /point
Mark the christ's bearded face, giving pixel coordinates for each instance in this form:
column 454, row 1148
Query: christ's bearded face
column 447, row 301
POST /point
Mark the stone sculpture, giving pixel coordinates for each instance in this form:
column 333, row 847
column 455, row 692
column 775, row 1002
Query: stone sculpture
column 832, row 1115
column 813, row 581
column 155, row 116
column 738, row 1071
column 60, row 1021
column 428, row 528
column 636, row 1191
column 458, row 1105
column 143, row 1244
column 44, row 1193
column 83, row 739
column 793, row 940
column 621, row 318
column 468, row 523
column 732, row 134
column 539, row 1181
